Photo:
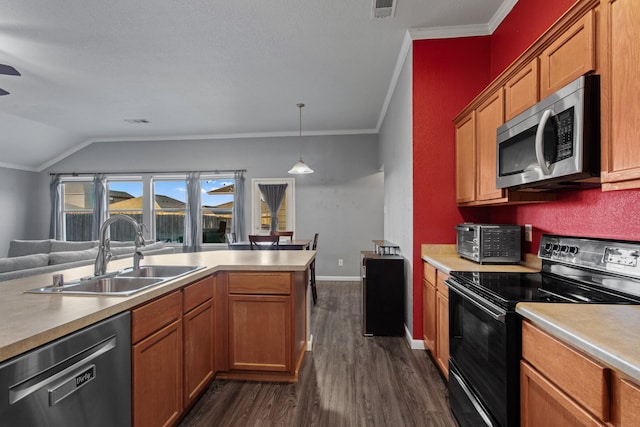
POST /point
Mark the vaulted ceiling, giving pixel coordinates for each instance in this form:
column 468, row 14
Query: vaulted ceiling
column 94, row 70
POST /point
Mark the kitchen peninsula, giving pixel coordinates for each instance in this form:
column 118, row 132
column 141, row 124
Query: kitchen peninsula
column 255, row 304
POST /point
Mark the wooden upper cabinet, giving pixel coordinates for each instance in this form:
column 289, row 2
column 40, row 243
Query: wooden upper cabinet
column 466, row 158
column 522, row 90
column 569, row 56
column 489, row 116
column 620, row 102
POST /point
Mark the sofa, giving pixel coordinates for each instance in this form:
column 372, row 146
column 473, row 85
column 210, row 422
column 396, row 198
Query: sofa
column 31, row 257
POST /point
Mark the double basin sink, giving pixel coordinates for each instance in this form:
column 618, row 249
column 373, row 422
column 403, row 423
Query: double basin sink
column 121, row 283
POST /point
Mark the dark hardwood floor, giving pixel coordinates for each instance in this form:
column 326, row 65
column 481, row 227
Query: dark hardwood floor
column 347, row 380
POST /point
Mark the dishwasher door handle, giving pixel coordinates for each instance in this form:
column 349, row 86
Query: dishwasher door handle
column 66, row 381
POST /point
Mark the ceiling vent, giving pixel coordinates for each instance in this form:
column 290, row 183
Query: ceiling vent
column 381, row 9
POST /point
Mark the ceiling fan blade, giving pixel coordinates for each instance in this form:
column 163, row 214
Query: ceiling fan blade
column 9, row 70
column 3, row 92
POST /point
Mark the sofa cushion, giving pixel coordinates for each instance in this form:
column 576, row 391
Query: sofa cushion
column 29, row 247
column 63, row 246
column 23, row 262
column 123, row 250
column 71, row 256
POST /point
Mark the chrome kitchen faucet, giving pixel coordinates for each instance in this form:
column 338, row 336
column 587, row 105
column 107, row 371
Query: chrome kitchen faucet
column 104, row 247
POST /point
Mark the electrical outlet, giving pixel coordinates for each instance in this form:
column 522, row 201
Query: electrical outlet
column 528, row 233
column 340, row 262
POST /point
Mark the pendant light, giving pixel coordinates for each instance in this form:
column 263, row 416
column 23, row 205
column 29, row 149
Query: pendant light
column 300, row 167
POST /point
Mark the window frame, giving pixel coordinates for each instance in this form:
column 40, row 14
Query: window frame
column 64, row 211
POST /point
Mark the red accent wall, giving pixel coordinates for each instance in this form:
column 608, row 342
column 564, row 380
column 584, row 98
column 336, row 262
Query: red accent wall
column 447, row 75
column 525, row 23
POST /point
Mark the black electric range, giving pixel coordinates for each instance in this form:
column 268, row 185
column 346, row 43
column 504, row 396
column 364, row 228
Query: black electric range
column 485, row 331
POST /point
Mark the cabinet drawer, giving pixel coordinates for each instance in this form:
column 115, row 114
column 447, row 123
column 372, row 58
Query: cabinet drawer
column 577, row 375
column 260, row 283
column 197, row 293
column 440, row 285
column 155, row 315
column 429, row 273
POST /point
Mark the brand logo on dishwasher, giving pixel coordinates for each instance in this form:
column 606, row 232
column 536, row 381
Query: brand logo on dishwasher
column 85, row 376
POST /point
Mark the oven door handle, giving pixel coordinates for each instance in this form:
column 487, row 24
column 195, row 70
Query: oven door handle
column 478, row 407
column 487, row 307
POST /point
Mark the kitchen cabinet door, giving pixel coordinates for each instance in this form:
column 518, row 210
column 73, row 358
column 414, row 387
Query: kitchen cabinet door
column 521, row 91
column 260, row 333
column 620, row 101
column 157, row 377
column 570, row 56
column 489, row 116
column 198, row 350
column 442, row 323
column 429, row 315
column 466, row 159
column 545, row 405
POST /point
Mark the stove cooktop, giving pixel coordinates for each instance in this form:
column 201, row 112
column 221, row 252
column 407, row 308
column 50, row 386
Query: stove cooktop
column 507, row 289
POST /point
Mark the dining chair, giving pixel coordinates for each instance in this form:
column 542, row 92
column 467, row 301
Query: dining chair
column 285, row 234
column 256, row 239
column 312, row 273
column 231, row 238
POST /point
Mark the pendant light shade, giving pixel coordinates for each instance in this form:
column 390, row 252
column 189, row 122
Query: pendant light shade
column 300, row 168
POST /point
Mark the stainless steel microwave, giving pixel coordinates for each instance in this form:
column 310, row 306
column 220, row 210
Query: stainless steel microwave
column 554, row 144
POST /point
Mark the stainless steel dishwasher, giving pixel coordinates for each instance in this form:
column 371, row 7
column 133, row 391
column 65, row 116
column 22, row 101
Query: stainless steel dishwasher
column 83, row 379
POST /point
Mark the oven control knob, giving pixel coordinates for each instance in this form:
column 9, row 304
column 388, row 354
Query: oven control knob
column 573, row 250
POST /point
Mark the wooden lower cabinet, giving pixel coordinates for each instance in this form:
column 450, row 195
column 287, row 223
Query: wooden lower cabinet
column 442, row 322
column 199, row 338
column 260, row 333
column 560, row 386
column 545, row 405
column 429, row 315
column 265, row 325
column 435, row 316
column 157, row 368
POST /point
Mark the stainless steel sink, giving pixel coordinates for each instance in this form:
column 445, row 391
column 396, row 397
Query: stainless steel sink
column 162, row 271
column 120, row 283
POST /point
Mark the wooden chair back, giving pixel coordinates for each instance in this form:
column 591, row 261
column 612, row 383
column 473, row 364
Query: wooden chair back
column 256, row 239
column 285, row 234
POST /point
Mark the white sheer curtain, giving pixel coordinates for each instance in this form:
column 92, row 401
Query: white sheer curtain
column 55, row 223
column 100, row 204
column 238, row 205
column 191, row 240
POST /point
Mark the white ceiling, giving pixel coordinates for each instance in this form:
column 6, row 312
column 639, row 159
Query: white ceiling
column 204, row 68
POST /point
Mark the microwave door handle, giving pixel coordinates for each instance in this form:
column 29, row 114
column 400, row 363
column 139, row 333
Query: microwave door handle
column 540, row 142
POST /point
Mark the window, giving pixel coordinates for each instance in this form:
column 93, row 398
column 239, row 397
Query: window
column 77, row 209
column 261, row 217
column 125, row 197
column 217, row 208
column 159, row 201
column 169, row 208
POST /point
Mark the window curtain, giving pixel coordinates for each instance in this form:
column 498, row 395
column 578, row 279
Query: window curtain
column 191, row 240
column 238, row 205
column 273, row 196
column 55, row 224
column 100, row 204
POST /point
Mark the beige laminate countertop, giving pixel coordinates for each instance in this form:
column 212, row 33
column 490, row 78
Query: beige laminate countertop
column 608, row 333
column 445, row 258
column 30, row 320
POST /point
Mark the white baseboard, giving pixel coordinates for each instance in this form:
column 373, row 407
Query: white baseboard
column 310, row 343
column 338, row 278
column 413, row 343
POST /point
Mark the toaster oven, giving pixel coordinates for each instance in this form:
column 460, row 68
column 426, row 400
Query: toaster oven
column 489, row 243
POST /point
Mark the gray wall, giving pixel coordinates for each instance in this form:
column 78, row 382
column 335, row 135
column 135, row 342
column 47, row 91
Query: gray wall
column 396, row 148
column 19, row 205
column 342, row 200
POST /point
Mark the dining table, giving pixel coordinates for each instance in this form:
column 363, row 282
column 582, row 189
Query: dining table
column 291, row 245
